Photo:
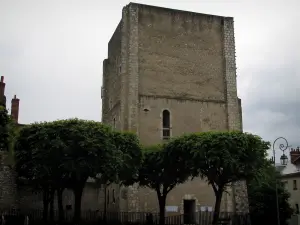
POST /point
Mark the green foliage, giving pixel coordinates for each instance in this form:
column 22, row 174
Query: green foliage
column 224, row 157
column 221, row 158
column 4, row 129
column 88, row 148
column 65, row 153
column 262, row 197
column 37, row 154
column 127, row 144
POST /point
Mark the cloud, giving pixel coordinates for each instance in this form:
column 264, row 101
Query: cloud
column 51, row 55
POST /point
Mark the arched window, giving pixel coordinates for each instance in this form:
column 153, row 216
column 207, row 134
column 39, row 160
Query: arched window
column 113, row 196
column 166, row 125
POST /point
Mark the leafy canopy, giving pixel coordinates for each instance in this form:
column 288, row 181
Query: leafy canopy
column 222, row 157
column 38, row 154
column 78, row 149
column 130, row 152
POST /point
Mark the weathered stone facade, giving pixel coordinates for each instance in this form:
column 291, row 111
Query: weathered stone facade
column 163, row 59
column 8, row 185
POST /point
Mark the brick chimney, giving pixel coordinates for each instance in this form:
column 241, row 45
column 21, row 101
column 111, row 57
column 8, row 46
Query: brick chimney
column 295, row 155
column 2, row 90
column 15, row 108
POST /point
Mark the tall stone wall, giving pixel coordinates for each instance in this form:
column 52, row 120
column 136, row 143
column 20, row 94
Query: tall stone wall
column 183, row 62
column 160, row 51
column 111, row 88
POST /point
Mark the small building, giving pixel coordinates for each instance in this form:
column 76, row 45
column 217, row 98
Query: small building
column 290, row 175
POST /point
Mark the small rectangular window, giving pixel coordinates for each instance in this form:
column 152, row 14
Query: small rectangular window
column 297, row 208
column 295, row 184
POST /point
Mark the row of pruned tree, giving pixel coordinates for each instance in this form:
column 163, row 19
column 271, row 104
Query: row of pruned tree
column 64, row 154
column 53, row 156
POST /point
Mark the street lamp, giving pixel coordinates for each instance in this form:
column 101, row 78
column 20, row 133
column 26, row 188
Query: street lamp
column 283, row 161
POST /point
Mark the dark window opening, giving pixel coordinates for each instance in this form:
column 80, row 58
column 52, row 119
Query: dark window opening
column 189, row 208
column 114, row 123
column 297, row 209
column 68, row 207
column 166, row 132
column 295, row 184
column 166, row 119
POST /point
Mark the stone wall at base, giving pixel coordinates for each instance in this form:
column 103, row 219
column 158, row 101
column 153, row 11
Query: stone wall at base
column 92, row 198
column 8, row 186
column 142, row 199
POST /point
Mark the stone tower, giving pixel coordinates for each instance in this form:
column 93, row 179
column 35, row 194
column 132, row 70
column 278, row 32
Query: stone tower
column 171, row 72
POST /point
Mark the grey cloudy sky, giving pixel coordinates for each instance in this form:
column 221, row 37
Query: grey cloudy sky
column 51, row 55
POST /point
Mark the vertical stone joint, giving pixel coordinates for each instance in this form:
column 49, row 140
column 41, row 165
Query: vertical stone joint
column 239, row 189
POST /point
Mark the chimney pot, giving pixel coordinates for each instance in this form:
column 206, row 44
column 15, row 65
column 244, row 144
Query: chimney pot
column 295, row 154
column 2, row 79
column 15, row 108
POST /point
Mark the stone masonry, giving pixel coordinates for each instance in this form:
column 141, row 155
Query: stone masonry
column 184, row 62
column 8, row 185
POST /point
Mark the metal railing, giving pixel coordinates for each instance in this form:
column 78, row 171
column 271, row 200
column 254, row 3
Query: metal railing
column 35, row 216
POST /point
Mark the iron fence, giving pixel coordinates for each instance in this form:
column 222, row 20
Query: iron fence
column 206, row 218
column 35, row 216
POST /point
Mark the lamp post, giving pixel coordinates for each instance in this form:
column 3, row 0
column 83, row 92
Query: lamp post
column 283, row 160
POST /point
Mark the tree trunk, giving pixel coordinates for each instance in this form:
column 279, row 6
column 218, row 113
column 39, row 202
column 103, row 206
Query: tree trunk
column 162, row 205
column 78, row 195
column 60, row 204
column 52, row 192
column 45, row 204
column 218, row 195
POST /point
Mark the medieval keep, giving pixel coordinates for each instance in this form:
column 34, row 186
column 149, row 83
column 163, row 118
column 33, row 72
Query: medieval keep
column 170, row 72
